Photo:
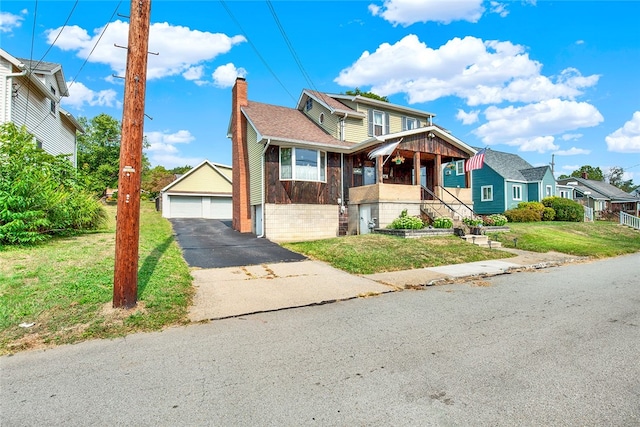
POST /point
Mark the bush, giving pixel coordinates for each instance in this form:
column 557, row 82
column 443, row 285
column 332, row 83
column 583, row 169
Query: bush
column 523, row 215
column 548, row 214
column 406, row 222
column 496, row 220
column 533, row 206
column 442, row 222
column 472, row 222
column 39, row 193
column 565, row 209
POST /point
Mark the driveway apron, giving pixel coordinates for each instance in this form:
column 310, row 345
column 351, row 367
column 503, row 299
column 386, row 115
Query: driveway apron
column 211, row 243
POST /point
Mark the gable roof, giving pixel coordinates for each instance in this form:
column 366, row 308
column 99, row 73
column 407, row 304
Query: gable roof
column 600, row 189
column 214, row 166
column 288, row 125
column 513, row 167
column 47, row 68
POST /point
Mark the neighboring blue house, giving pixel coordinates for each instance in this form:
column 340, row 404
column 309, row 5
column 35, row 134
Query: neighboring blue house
column 504, row 181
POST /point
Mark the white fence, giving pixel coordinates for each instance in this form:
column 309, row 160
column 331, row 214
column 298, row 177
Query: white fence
column 629, row 220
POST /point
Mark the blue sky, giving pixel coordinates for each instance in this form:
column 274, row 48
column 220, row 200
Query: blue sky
column 536, row 78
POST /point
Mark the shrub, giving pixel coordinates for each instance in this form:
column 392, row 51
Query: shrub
column 406, row 222
column 442, row 222
column 565, row 209
column 522, row 215
column 533, row 206
column 39, row 193
column 548, row 214
column 496, row 220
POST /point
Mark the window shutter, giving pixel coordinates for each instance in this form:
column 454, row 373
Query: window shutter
column 404, row 123
column 419, row 123
column 370, row 113
column 386, row 123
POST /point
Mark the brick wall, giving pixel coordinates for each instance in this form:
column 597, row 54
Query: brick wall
column 239, row 158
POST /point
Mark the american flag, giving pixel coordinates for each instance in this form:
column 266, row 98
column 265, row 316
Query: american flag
column 475, row 162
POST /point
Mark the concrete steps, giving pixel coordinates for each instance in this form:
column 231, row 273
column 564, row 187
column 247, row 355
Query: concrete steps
column 481, row 240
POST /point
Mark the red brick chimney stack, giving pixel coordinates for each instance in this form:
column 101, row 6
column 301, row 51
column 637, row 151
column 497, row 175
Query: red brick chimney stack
column 240, row 162
column 585, row 175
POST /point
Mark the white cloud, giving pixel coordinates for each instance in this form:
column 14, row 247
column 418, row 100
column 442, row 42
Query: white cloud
column 225, row 75
column 79, row 95
column 571, row 136
column 179, row 49
column 408, row 12
column 579, row 41
column 9, row 21
column 627, row 138
column 499, row 8
column 531, row 126
column 162, row 148
column 481, row 72
column 194, row 73
column 468, row 118
column 572, row 152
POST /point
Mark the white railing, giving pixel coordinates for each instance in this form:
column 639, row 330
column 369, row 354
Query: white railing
column 588, row 214
column 629, row 220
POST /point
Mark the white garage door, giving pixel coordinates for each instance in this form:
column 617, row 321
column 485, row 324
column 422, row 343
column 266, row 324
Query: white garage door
column 185, row 206
column 200, row 207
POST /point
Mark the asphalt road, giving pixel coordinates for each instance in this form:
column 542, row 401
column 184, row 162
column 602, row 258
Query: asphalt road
column 555, row 347
column 210, row 243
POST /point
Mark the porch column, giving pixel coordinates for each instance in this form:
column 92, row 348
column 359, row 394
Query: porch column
column 467, row 179
column 437, row 173
column 379, row 163
column 416, row 168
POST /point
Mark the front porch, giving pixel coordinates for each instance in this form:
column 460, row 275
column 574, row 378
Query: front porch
column 377, row 205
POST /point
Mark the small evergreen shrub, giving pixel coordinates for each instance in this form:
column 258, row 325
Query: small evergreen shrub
column 406, row 222
column 533, row 206
column 523, row 215
column 565, row 209
column 548, row 214
column 442, row 222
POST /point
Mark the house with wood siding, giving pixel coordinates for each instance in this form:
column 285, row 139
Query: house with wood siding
column 338, row 164
column 605, row 199
column 30, row 93
column 504, row 181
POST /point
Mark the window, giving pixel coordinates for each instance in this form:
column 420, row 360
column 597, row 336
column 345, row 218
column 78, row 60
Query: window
column 486, row 193
column 517, row 192
column 548, row 191
column 302, row 164
column 309, row 104
column 565, row 194
column 459, row 167
column 38, row 144
column 409, row 123
column 53, row 102
column 378, row 122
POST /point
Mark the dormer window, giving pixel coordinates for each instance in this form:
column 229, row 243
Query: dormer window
column 309, row 104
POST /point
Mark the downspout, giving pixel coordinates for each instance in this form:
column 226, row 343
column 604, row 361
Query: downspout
column 10, row 89
column 262, row 201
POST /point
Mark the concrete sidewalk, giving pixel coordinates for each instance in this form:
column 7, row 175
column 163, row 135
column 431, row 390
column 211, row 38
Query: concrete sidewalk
column 235, row 291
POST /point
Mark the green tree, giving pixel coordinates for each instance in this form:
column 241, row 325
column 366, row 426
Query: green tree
column 616, row 178
column 155, row 179
column 371, row 95
column 592, row 173
column 39, row 193
column 99, row 152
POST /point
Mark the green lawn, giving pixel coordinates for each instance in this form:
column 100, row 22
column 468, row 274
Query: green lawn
column 65, row 287
column 599, row 239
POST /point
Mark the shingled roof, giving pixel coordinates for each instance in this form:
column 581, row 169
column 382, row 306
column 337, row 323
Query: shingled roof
column 288, row 125
column 512, row 166
column 600, row 189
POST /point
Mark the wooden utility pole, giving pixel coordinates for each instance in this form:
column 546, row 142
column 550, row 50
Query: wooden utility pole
column 125, row 281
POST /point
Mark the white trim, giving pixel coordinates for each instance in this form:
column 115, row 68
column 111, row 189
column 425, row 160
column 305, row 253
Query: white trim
column 482, row 199
column 513, row 188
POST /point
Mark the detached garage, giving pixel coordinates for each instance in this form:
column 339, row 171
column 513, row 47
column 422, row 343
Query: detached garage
column 203, row 192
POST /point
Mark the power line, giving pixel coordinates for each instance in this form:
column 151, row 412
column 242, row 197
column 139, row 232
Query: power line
column 58, row 36
column 290, row 46
column 264, row 61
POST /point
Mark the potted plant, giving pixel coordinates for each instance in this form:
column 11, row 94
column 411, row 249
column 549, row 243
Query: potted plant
column 474, row 224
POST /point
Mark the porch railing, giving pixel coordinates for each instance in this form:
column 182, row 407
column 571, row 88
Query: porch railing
column 588, row 214
column 473, row 213
column 629, row 220
column 428, row 195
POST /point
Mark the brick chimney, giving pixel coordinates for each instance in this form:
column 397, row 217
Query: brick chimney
column 239, row 158
column 585, row 175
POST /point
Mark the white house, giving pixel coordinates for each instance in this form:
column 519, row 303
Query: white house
column 30, row 93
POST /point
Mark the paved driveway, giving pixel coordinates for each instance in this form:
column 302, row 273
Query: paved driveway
column 211, row 243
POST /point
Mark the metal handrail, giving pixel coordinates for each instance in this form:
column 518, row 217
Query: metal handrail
column 432, row 194
column 460, row 201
